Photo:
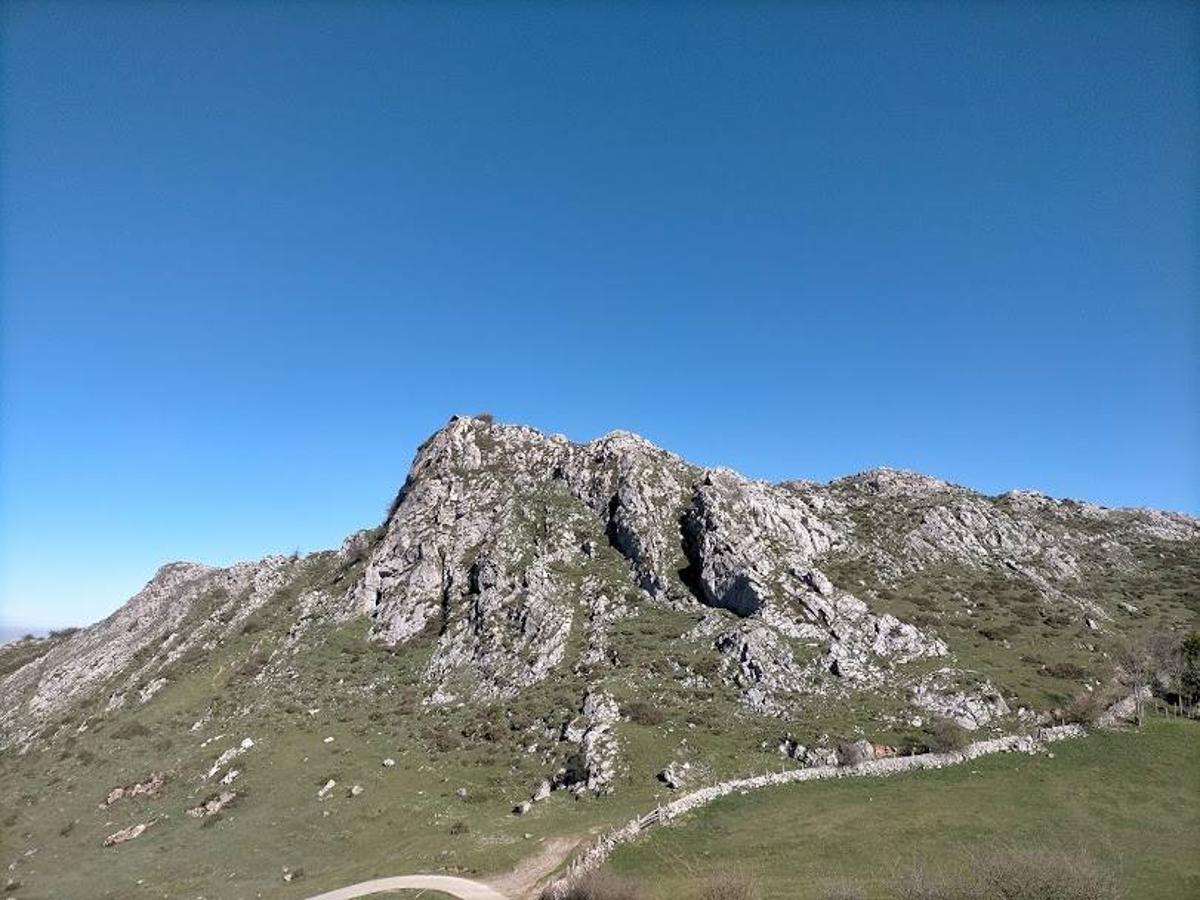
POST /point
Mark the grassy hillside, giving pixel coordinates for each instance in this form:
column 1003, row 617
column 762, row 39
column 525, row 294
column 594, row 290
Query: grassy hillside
column 1131, row 800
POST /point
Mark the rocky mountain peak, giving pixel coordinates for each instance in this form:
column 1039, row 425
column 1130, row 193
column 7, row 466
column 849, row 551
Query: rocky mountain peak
column 511, row 558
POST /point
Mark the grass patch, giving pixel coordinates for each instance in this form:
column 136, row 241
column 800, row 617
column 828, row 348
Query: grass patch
column 1129, row 798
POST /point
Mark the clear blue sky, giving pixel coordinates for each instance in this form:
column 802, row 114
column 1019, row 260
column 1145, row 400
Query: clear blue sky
column 254, row 253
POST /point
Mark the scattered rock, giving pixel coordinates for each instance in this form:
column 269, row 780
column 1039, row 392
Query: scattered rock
column 151, row 787
column 521, row 808
column 675, row 775
column 212, row 805
column 227, row 757
column 855, row 752
column 356, row 790
column 1124, row 710
column 971, row 707
column 126, row 834
column 388, row 763
column 324, row 792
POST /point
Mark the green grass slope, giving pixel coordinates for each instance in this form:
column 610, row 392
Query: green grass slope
column 1131, row 800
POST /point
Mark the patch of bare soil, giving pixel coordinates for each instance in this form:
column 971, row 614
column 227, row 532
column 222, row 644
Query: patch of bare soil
column 523, row 881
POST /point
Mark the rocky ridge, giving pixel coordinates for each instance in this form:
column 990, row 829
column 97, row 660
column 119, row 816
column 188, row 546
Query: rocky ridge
column 516, row 557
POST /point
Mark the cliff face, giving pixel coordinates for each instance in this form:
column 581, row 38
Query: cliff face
column 507, row 541
column 512, row 558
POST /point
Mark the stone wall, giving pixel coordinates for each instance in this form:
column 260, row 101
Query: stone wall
column 595, row 855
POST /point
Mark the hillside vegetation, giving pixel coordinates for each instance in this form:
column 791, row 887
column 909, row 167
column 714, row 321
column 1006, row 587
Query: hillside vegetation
column 538, row 635
column 1130, row 800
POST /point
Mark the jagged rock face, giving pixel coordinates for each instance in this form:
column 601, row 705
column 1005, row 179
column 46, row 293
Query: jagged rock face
column 491, row 544
column 902, row 522
column 516, row 556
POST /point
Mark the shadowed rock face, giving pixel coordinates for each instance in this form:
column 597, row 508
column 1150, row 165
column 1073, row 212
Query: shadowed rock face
column 519, row 555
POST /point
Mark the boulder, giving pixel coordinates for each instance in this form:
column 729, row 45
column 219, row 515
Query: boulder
column 126, row 834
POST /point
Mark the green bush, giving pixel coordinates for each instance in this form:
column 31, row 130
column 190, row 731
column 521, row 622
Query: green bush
column 946, row 735
column 644, row 713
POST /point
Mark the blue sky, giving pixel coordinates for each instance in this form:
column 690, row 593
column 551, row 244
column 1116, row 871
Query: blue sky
column 252, row 254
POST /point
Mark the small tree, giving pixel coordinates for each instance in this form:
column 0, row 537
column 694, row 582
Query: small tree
column 1189, row 676
column 1085, row 707
column 1135, row 670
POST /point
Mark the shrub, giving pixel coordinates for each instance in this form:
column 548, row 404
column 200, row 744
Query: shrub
column 946, row 735
column 1068, row 671
column 999, row 632
column 255, row 664
column 644, row 713
column 443, row 740
column 851, row 753
column 1014, row 875
column 460, row 827
column 729, row 886
column 1042, row 875
column 1084, row 708
column 598, row 886
column 131, row 729
column 486, row 418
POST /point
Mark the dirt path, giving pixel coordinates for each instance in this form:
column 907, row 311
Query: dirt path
column 463, row 888
column 521, row 881
column 517, row 884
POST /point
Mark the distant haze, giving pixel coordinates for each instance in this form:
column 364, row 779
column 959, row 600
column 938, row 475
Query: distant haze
column 16, row 632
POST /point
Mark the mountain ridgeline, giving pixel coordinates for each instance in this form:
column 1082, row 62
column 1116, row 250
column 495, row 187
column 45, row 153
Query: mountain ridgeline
column 539, row 621
column 615, row 569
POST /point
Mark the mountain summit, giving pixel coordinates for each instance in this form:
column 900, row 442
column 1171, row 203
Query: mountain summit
column 512, row 557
